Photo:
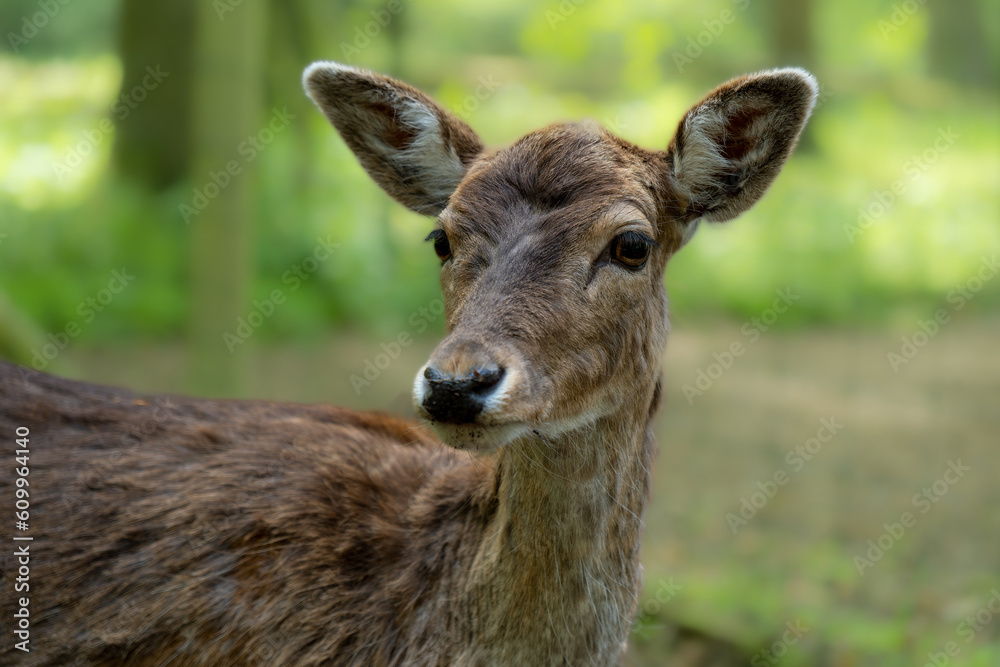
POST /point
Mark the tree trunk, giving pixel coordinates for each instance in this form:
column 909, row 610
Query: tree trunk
column 957, row 47
column 790, row 25
column 227, row 128
column 152, row 112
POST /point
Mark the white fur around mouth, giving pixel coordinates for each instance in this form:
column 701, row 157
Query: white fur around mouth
column 479, row 438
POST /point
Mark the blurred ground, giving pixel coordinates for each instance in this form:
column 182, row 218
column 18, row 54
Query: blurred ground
column 791, row 565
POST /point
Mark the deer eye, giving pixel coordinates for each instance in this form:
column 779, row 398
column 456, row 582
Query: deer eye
column 441, row 245
column 631, row 250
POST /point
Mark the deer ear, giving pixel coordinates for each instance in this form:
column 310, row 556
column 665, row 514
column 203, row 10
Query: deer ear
column 730, row 146
column 415, row 150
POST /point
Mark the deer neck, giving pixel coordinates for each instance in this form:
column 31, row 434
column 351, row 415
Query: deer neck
column 559, row 565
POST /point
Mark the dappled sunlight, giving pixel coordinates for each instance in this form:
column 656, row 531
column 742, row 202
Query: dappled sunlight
column 53, row 146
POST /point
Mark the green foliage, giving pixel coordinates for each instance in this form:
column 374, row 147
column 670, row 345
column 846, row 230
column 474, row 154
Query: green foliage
column 58, row 29
column 68, row 228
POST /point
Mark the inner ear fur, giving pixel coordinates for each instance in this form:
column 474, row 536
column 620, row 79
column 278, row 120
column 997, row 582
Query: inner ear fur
column 414, row 149
column 730, row 146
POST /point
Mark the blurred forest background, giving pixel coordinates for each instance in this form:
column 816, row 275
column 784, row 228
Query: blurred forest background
column 176, row 216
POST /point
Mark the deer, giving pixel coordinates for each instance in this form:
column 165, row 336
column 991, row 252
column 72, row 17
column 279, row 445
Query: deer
column 502, row 528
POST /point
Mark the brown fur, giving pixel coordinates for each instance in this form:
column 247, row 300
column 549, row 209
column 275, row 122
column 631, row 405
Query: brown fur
column 197, row 532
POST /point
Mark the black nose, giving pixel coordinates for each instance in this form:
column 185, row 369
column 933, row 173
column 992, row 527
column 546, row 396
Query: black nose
column 457, row 400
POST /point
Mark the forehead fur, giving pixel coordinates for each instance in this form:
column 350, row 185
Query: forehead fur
column 577, row 168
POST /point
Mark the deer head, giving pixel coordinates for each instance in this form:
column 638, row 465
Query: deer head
column 553, row 249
